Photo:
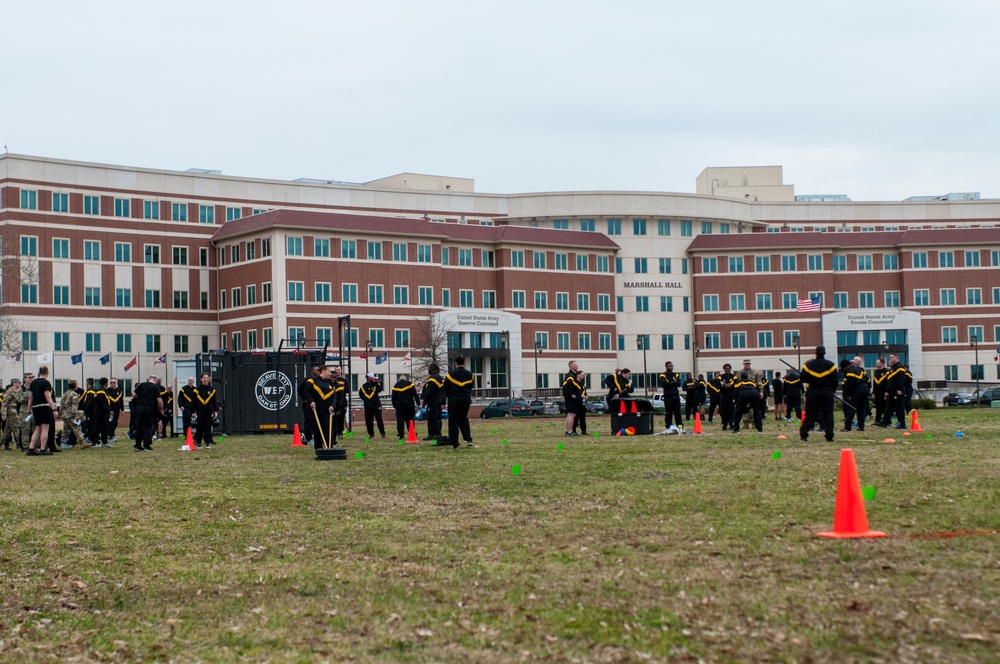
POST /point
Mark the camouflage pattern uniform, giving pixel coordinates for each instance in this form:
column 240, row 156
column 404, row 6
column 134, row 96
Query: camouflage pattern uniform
column 69, row 412
column 13, row 399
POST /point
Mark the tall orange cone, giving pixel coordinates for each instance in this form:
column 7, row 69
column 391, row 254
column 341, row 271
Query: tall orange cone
column 411, row 436
column 634, row 411
column 849, row 519
column 297, row 436
column 915, row 421
column 189, row 439
column 697, row 422
column 621, row 403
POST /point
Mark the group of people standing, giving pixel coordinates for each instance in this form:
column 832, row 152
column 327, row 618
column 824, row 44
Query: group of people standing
column 324, row 403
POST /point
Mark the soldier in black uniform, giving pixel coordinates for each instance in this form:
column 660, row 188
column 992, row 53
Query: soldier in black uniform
column 856, row 386
column 116, row 402
column 619, row 386
column 793, row 395
column 747, row 400
column 86, row 404
column 206, row 408
column 458, row 388
column 879, row 387
column 670, row 383
column 404, row 400
column 308, row 421
column 339, row 402
column 895, row 404
column 820, row 374
column 778, row 389
column 320, row 397
column 186, row 403
column 714, row 389
column 145, row 410
column 369, row 393
column 727, row 395
column 100, row 408
column 690, row 388
column 907, row 389
column 168, row 409
column 433, row 398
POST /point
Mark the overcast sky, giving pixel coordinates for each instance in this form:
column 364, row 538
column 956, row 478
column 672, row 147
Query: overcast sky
column 878, row 100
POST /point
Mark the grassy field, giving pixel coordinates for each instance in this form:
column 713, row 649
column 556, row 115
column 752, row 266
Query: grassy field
column 653, row 548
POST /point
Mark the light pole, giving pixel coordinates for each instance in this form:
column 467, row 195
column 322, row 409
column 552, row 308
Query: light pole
column 505, row 340
column 640, row 343
column 368, row 352
column 697, row 349
column 538, row 349
column 974, row 341
column 798, row 347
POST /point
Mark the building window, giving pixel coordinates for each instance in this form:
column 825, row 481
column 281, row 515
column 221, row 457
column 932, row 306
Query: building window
column 349, row 293
column 949, row 335
column 445, row 256
column 374, row 251
column 973, row 295
column 180, row 343
column 763, row 301
column 789, row 300
column 890, row 261
column 348, row 248
column 602, row 264
column 488, row 258
column 614, row 226
column 560, row 224
column 206, row 214
column 151, row 253
column 839, row 263
column 866, row 300
column 541, row 300
column 446, row 297
column 376, row 336
column 152, row 298
column 638, row 227
column 604, row 341
column 921, row 297
column 401, row 294
column 664, row 265
column 788, row 264
column 517, row 299
column 663, row 227
column 322, row 291
column 426, row 295
column 738, row 339
column 91, row 204
column 92, row 250
column 686, row 229
column 29, row 293
column 815, row 262
column 712, row 340
column 489, row 299
column 582, row 263
column 840, row 300
column 947, row 296
column 466, row 298
column 562, row 340
column 737, row 302
column 293, row 246
column 517, row 258
column 152, row 343
column 710, row 302
column 587, row 225
column 762, row 264
column 399, row 251
column 425, row 255
column 265, row 292
column 251, row 294
column 864, row 262
column 975, row 332
column 666, row 342
column 150, row 210
column 641, row 266
column 123, row 252
column 123, row 343
column 618, row 266
column 920, row 259
column 60, row 248
column 123, row 297
column 375, row 293
column 735, row 263
column 179, row 211
column 60, row 295
column 251, row 252
column 181, row 299
column 583, row 341
column 642, row 303
column 951, row 372
column 790, row 337
column 542, row 340
column 946, row 259
column 29, row 341
column 60, row 202
column 583, row 301
column 666, row 303
column 321, row 247
column 465, row 257
column 402, row 338
column 295, row 292
column 892, row 299
column 29, row 245
column 179, row 255
column 60, row 341
column 93, row 342
column 765, row 339
column 123, row 207
column 29, row 199
column 562, row 261
column 603, row 302
column 92, row 296
column 706, row 228
column 232, row 214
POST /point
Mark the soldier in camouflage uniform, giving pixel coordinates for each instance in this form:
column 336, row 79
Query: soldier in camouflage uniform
column 755, row 377
column 26, row 427
column 12, row 400
column 69, row 412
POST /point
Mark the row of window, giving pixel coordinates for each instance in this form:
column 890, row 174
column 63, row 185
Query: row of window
column 765, row 338
column 123, row 343
column 841, row 300
column 123, row 251
column 865, row 262
column 123, row 297
column 123, row 208
column 641, row 227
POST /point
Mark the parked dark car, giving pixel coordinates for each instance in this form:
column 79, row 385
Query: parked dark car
column 498, row 408
column 561, row 405
column 599, row 406
column 986, row 396
column 959, row 399
column 537, row 406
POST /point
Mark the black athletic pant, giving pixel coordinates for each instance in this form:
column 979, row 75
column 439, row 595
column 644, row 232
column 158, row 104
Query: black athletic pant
column 434, row 421
column 458, row 420
column 403, row 418
column 819, row 408
column 673, row 407
column 726, row 406
column 373, row 416
column 748, row 401
column 793, row 403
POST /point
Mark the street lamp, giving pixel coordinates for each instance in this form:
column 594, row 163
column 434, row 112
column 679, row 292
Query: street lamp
column 697, row 349
column 538, row 349
column 640, row 343
column 974, row 341
column 505, row 341
column 798, row 348
column 368, row 351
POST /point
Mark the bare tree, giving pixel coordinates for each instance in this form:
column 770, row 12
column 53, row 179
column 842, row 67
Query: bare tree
column 429, row 344
column 18, row 270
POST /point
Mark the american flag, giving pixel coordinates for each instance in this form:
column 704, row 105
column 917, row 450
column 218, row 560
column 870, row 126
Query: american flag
column 812, row 304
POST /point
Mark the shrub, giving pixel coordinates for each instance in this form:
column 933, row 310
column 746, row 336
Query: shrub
column 924, row 404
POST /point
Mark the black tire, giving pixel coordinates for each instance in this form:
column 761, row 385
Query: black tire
column 482, row 416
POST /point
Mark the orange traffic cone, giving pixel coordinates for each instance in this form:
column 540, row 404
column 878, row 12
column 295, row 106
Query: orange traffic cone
column 697, row 422
column 621, row 403
column 189, row 439
column 411, row 436
column 634, row 411
column 297, row 436
column 915, row 421
column 849, row 518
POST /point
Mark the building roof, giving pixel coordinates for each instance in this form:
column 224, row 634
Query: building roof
column 850, row 240
column 413, row 228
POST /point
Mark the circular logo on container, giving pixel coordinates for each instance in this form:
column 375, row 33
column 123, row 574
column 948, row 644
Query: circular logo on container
column 273, row 390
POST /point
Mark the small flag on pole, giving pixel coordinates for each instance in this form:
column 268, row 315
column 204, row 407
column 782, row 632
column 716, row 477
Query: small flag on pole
column 16, row 357
column 996, row 358
column 406, row 360
column 812, row 304
column 131, row 363
column 162, row 359
column 383, row 358
column 332, row 356
column 45, row 358
column 77, row 359
column 364, row 356
column 106, row 359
